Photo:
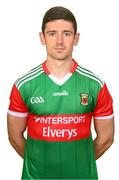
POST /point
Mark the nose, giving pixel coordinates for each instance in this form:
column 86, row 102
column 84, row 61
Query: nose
column 59, row 38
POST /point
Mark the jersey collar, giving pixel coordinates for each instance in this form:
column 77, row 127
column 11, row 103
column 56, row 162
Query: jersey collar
column 73, row 69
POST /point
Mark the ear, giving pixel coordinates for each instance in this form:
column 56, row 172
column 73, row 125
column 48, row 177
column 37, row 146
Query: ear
column 42, row 38
column 76, row 40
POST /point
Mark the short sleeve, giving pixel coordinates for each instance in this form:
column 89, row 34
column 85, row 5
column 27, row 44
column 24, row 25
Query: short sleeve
column 17, row 106
column 104, row 105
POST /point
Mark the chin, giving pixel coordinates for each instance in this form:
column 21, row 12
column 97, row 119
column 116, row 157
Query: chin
column 62, row 58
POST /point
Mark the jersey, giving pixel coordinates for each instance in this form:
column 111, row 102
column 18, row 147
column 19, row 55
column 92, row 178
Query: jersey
column 59, row 112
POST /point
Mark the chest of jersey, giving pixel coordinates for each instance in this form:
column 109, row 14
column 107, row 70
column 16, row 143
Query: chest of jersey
column 59, row 112
column 73, row 97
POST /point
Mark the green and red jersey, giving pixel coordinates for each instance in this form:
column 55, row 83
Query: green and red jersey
column 60, row 111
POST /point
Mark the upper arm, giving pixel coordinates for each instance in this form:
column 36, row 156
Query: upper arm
column 16, row 125
column 103, row 114
column 17, row 114
column 104, row 128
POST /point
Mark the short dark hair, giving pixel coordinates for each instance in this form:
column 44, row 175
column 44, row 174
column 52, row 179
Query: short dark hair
column 59, row 12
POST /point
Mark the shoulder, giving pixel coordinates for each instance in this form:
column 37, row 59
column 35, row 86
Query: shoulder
column 32, row 74
column 89, row 76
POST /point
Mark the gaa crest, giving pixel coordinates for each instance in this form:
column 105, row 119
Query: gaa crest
column 84, row 99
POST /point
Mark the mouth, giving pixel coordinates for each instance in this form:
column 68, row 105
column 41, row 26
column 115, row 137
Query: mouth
column 59, row 49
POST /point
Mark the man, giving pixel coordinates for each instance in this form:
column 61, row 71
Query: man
column 56, row 102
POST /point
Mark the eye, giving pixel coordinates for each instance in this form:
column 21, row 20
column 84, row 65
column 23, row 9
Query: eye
column 51, row 34
column 68, row 34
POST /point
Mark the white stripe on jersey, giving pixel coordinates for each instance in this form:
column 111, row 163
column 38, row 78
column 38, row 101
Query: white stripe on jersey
column 83, row 73
column 32, row 72
column 104, row 117
column 18, row 114
column 90, row 73
column 29, row 79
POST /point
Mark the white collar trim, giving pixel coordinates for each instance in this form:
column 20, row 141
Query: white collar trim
column 60, row 81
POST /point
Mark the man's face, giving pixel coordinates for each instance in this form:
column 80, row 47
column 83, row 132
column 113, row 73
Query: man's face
column 59, row 39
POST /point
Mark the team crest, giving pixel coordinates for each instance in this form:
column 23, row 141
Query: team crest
column 84, row 99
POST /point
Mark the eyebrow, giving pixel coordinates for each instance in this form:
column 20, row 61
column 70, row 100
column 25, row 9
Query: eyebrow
column 68, row 31
column 56, row 31
column 51, row 31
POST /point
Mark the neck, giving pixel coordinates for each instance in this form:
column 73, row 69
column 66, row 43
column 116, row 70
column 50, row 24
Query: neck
column 59, row 68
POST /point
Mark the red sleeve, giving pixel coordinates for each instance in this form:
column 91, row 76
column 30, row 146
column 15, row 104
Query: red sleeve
column 104, row 107
column 16, row 102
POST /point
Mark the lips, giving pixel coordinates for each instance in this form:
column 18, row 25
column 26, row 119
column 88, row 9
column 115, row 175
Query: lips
column 59, row 48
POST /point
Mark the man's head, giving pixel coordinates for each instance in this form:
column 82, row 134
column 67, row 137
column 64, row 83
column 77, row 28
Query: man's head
column 59, row 33
column 57, row 13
